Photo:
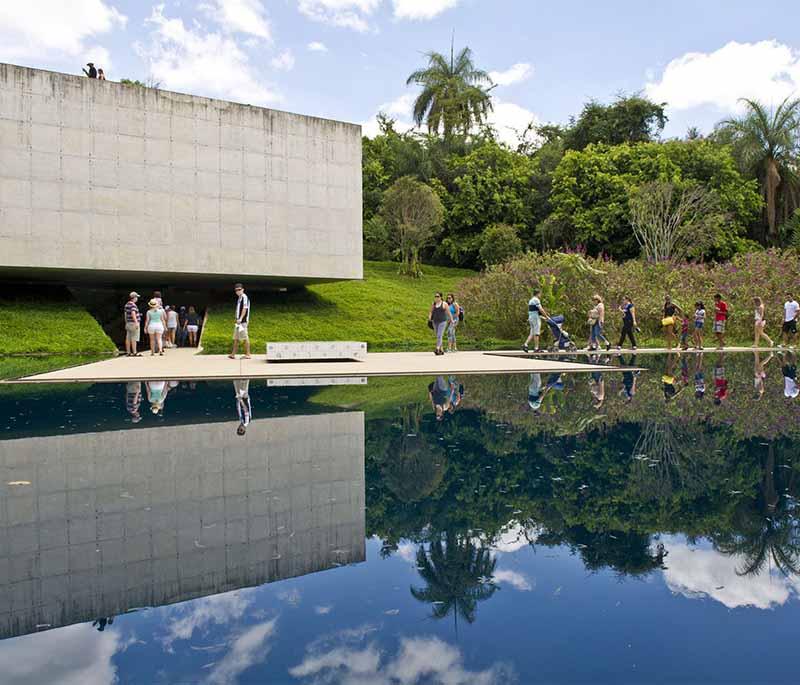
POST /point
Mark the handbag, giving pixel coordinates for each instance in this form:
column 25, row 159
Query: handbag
column 668, row 321
column 430, row 324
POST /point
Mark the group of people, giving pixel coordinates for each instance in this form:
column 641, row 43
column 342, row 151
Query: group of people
column 94, row 72
column 675, row 320
column 164, row 325
column 444, row 316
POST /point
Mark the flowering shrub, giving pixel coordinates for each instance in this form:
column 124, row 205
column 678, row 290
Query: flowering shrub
column 496, row 299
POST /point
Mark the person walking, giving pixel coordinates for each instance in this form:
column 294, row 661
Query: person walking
column 155, row 325
column 172, row 326
column 92, row 73
column 668, row 321
column 240, row 333
column 760, row 323
column 438, row 318
column 720, row 319
column 535, row 314
column 597, row 320
column 192, row 325
column 791, row 312
column 699, row 324
column 455, row 311
column 628, row 322
column 132, row 325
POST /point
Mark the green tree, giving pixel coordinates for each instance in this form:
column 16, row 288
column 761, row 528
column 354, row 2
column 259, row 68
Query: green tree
column 499, row 242
column 630, row 119
column 455, row 95
column 592, row 188
column 414, row 212
column 490, row 185
column 765, row 142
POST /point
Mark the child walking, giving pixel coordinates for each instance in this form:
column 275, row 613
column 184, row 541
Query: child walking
column 699, row 323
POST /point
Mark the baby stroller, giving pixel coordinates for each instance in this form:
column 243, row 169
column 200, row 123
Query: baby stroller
column 561, row 339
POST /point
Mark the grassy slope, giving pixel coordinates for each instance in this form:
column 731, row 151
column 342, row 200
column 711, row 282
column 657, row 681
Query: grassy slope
column 380, row 398
column 387, row 311
column 54, row 325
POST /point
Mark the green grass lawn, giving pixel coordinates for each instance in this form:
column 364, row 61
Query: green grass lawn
column 381, row 398
column 386, row 310
column 49, row 322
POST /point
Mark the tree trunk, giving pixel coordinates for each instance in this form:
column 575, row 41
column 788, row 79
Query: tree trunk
column 771, row 183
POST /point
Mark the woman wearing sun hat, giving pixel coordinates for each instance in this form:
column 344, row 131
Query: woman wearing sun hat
column 154, row 322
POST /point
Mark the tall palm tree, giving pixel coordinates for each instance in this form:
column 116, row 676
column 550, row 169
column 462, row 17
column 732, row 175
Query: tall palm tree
column 455, row 95
column 766, row 141
column 457, row 574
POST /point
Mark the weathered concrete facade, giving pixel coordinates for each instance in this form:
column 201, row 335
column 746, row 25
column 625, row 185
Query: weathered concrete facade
column 122, row 519
column 106, row 180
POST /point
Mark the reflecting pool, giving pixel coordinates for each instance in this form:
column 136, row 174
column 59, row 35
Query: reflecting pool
column 625, row 526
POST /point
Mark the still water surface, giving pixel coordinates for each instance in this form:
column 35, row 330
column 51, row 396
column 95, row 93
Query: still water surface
column 619, row 527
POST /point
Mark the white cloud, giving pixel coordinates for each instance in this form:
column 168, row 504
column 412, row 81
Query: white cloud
column 514, row 537
column 421, row 9
column 767, row 71
column 514, row 74
column 519, row 581
column 193, row 61
column 248, row 649
column 183, row 620
column 398, row 109
column 352, row 14
column 292, row 596
column 317, row 46
column 284, row 61
column 100, row 56
column 240, row 16
column 75, row 655
column 510, row 120
column 323, row 610
column 419, row 660
column 53, row 29
column 696, row 573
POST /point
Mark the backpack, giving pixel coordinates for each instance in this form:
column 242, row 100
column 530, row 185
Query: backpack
column 460, row 314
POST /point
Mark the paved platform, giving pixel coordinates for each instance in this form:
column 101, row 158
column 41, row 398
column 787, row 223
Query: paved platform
column 185, row 364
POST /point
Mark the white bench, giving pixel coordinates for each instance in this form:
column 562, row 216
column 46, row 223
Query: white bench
column 315, row 382
column 316, row 351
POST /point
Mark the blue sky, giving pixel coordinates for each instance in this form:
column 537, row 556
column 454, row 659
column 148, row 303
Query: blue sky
column 348, row 59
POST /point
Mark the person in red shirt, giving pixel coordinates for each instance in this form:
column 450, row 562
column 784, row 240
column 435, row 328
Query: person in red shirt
column 720, row 383
column 720, row 318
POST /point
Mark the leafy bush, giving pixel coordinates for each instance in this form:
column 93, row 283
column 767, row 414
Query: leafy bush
column 499, row 243
column 496, row 299
column 378, row 246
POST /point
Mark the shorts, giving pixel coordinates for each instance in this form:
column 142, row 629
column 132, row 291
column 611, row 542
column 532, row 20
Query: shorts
column 155, row 328
column 698, row 325
column 191, row 328
column 719, row 327
column 132, row 332
column 171, row 327
column 240, row 332
column 790, row 326
column 536, row 325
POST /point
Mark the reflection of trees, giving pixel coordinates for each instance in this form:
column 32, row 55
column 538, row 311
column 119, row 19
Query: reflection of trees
column 766, row 528
column 415, row 466
column 663, row 461
column 457, row 574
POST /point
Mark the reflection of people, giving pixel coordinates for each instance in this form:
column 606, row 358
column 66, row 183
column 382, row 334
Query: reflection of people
column 241, row 388
column 789, row 367
column 597, row 389
column 699, row 378
column 456, row 393
column 629, row 380
column 720, row 382
column 439, row 393
column 101, row 623
column 156, row 395
column 535, row 394
column 760, row 374
column 133, row 400
column 668, row 381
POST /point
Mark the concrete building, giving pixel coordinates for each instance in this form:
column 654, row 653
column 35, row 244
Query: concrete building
column 109, row 183
column 94, row 524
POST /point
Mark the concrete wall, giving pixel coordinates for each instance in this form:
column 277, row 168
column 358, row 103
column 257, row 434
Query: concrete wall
column 151, row 516
column 117, row 179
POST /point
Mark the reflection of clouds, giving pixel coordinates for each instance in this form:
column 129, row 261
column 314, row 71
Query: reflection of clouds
column 708, row 573
column 519, row 581
column 419, row 660
column 75, row 655
column 324, row 609
column 246, row 650
column 184, row 619
column 292, row 597
column 515, row 536
column 407, row 551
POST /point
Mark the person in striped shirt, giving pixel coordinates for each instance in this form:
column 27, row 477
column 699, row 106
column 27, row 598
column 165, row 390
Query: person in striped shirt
column 132, row 325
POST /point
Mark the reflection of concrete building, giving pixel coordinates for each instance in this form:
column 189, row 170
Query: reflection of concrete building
column 105, row 182
column 103, row 522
